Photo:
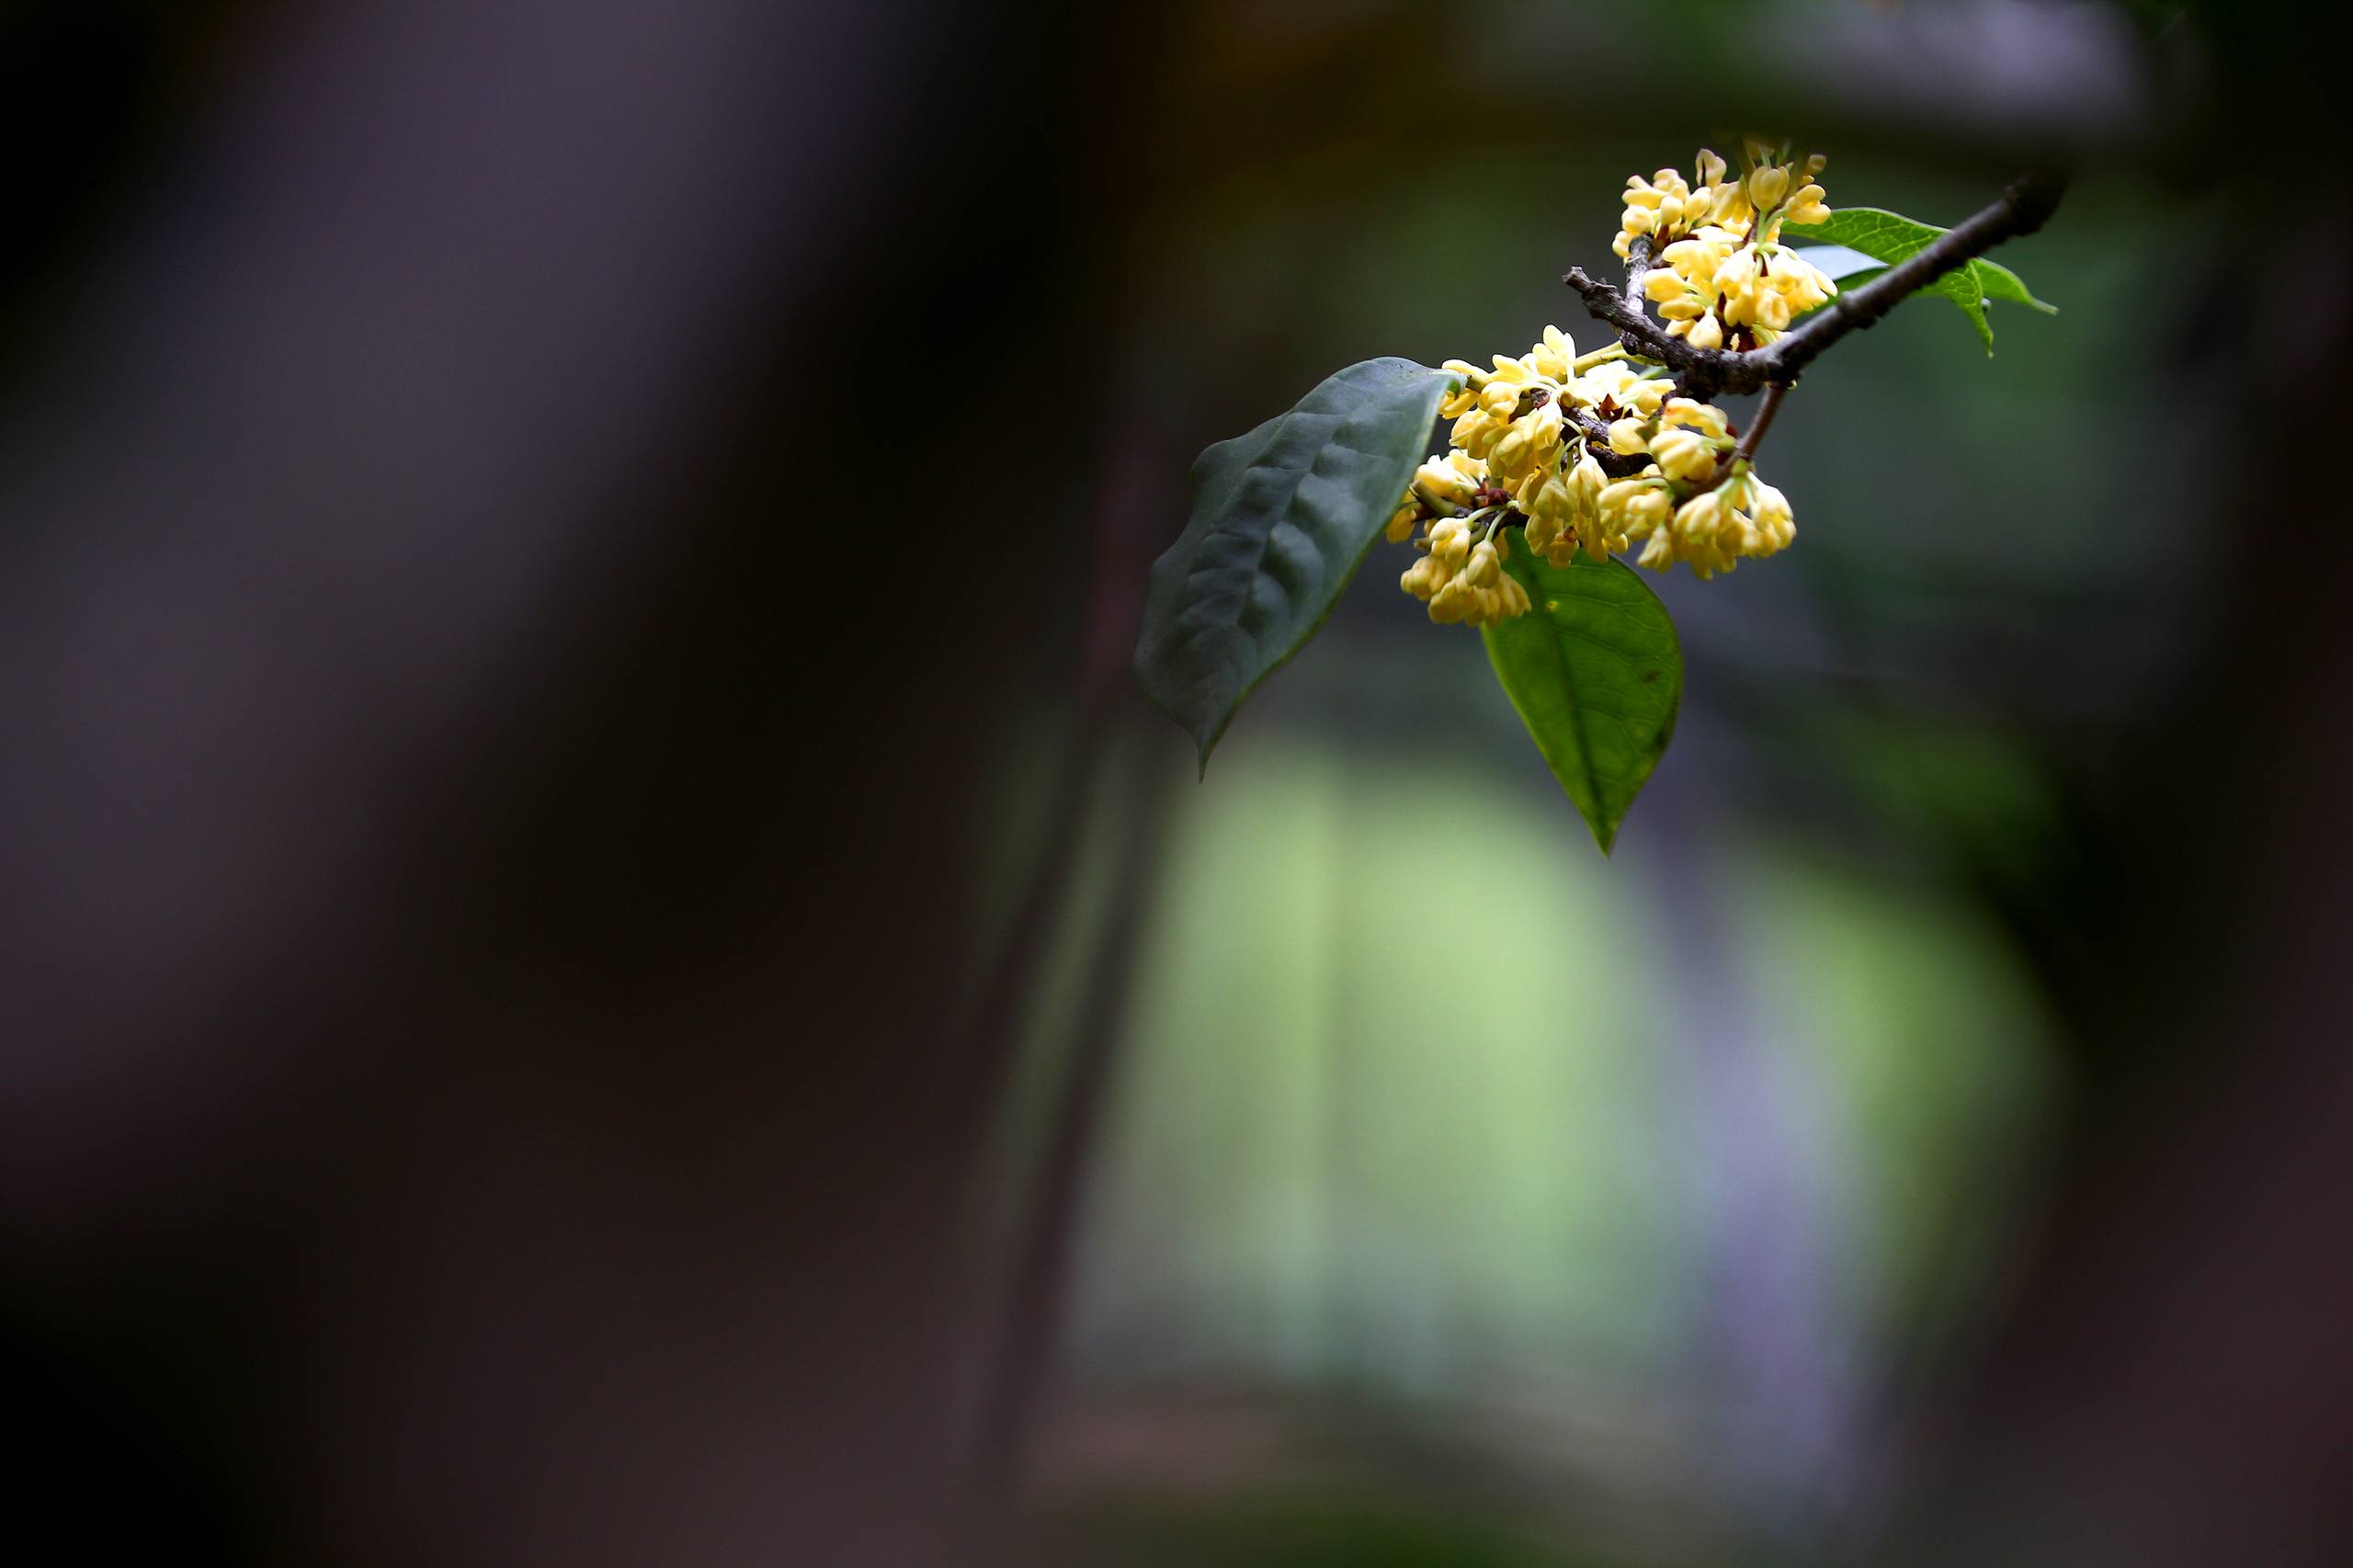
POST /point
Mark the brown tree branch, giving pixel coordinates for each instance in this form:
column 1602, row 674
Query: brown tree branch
column 1596, row 431
column 1638, row 267
column 1753, row 438
column 1706, row 373
column 1769, row 407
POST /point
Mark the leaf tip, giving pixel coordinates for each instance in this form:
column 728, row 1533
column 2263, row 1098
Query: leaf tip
column 1205, row 738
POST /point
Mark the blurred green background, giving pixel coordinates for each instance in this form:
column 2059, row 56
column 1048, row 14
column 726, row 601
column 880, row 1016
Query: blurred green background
column 1635, row 1201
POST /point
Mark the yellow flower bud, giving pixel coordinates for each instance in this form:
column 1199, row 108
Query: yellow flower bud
column 1635, row 506
column 1514, row 457
column 1441, row 484
column 1449, row 541
column 1706, row 334
column 1552, row 354
column 1696, row 520
column 1798, row 280
column 1486, row 567
column 1478, row 431
column 1774, row 524
column 1627, row 438
column 1683, row 454
column 1585, row 484
column 1766, row 186
column 1551, row 503
column 1705, row 417
column 1424, row 577
column 1532, row 444
column 1453, row 603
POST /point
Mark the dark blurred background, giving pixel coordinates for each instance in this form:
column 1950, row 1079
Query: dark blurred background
column 600, row 963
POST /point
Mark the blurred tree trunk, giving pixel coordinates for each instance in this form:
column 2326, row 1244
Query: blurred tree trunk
column 491, row 806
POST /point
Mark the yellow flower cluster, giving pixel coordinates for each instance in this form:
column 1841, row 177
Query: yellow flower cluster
column 1709, row 530
column 1464, row 581
column 1720, row 276
column 1598, row 453
column 1527, row 443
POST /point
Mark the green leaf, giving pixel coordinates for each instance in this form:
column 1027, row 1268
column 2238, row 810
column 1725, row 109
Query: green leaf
column 1884, row 236
column 1597, row 676
column 1963, row 288
column 1281, row 519
column 1891, row 237
column 2001, row 283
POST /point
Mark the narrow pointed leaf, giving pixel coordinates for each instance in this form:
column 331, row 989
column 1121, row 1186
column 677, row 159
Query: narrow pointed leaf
column 1281, row 519
column 2001, row 283
column 1596, row 675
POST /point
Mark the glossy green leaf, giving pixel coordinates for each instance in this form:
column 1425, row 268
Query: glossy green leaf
column 1597, row 676
column 1890, row 237
column 1281, row 519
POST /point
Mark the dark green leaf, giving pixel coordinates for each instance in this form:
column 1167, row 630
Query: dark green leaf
column 1281, row 519
column 1891, row 237
column 1596, row 675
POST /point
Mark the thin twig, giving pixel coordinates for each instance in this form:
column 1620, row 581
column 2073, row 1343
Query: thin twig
column 1697, row 372
column 1705, row 373
column 1752, row 437
column 1764, row 411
